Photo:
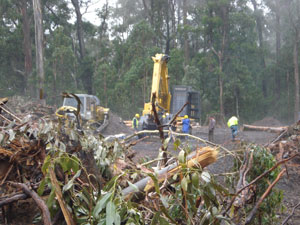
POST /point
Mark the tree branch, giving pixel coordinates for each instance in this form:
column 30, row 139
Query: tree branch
column 40, row 203
column 256, row 179
column 290, row 216
column 267, row 192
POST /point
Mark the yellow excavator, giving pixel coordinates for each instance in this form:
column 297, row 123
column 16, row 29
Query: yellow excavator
column 161, row 89
column 168, row 104
column 91, row 114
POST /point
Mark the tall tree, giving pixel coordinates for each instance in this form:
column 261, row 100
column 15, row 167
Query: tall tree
column 217, row 31
column 259, row 27
column 85, row 62
column 39, row 33
column 23, row 5
column 185, row 34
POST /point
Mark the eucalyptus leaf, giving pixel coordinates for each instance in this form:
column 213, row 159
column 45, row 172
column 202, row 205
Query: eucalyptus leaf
column 155, row 219
column 110, row 213
column 184, row 183
column 101, row 204
column 71, row 182
column 41, row 188
column 176, row 144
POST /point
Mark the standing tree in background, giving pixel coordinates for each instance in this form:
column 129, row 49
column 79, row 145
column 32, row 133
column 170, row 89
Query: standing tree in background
column 86, row 71
column 38, row 20
column 259, row 27
column 22, row 4
column 217, row 31
column 293, row 13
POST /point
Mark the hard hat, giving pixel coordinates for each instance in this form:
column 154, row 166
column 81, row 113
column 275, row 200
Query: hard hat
column 164, row 116
column 167, row 114
column 137, row 115
column 186, row 116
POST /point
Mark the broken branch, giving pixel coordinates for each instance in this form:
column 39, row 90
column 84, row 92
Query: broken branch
column 290, row 216
column 13, row 198
column 41, row 204
column 267, row 192
column 258, row 178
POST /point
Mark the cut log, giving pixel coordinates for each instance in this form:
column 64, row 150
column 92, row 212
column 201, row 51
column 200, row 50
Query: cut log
column 262, row 128
column 203, row 156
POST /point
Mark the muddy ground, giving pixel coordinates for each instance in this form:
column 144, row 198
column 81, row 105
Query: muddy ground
column 289, row 184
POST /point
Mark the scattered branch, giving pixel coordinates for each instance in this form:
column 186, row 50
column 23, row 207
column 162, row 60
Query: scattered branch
column 41, row 204
column 256, row 179
column 12, row 199
column 291, row 215
column 267, row 192
column 58, row 193
column 161, row 132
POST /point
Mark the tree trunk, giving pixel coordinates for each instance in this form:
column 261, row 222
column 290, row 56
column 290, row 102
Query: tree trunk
column 86, row 72
column 37, row 10
column 79, row 28
column 26, row 46
column 221, row 85
column 173, row 19
column 168, row 29
column 278, row 46
column 262, row 128
column 288, row 93
column 296, row 74
column 261, row 46
column 185, row 35
column 54, row 82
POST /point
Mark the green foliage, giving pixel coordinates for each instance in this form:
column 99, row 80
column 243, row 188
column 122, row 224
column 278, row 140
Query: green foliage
column 264, row 160
column 272, row 204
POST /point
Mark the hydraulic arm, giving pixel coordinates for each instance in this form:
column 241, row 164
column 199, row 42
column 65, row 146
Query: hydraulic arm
column 160, row 86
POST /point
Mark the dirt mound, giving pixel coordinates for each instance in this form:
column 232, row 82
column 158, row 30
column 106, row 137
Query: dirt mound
column 268, row 121
column 116, row 126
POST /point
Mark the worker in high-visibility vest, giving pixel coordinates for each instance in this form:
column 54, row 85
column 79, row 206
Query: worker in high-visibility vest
column 233, row 125
column 135, row 122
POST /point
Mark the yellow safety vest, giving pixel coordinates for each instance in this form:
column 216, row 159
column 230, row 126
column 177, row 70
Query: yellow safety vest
column 137, row 122
column 232, row 121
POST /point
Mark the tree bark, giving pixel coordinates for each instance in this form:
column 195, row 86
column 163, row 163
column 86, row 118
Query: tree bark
column 278, row 46
column 262, row 128
column 296, row 74
column 86, row 72
column 37, row 10
column 202, row 156
column 26, row 45
column 168, row 29
column 261, row 45
column 79, row 28
column 185, row 35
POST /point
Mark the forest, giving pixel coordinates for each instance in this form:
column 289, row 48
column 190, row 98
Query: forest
column 242, row 55
column 88, row 162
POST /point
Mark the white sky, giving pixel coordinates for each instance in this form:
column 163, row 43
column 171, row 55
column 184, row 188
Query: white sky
column 94, row 6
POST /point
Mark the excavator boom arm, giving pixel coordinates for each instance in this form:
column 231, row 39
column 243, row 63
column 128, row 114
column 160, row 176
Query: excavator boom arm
column 160, row 85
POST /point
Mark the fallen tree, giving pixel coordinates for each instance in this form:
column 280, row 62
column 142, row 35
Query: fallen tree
column 247, row 127
column 202, row 157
